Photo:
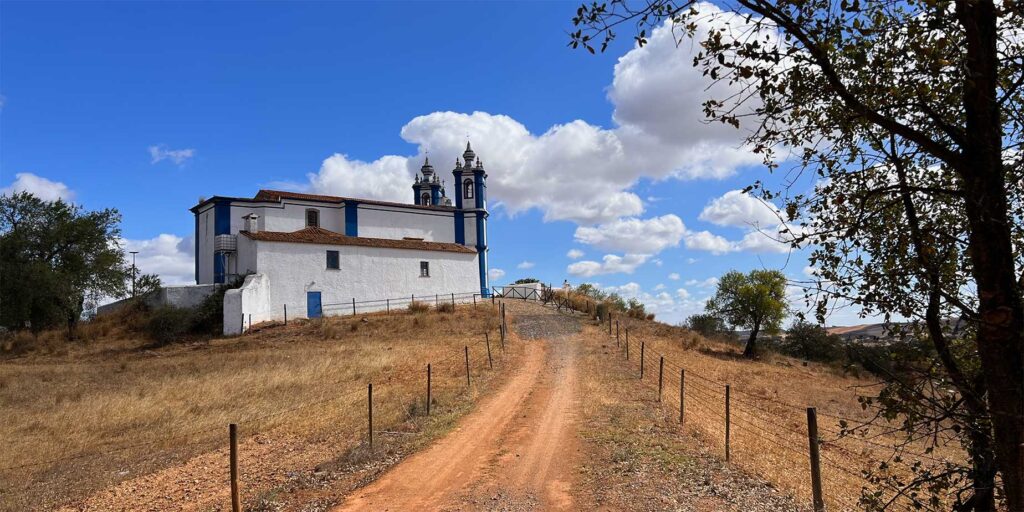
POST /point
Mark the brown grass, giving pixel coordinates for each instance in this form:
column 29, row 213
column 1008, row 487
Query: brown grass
column 768, row 409
column 96, row 413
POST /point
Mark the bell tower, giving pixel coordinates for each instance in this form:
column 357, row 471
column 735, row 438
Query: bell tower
column 471, row 205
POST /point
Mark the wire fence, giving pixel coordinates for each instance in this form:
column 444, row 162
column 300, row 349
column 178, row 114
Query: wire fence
column 436, row 381
column 770, row 436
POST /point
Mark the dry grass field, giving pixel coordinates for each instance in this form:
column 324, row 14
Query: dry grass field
column 768, row 401
column 110, row 412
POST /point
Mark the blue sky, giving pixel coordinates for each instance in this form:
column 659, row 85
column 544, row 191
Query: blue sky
column 148, row 106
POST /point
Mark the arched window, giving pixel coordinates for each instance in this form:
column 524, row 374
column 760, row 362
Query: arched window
column 425, row 199
column 312, row 218
column 467, row 188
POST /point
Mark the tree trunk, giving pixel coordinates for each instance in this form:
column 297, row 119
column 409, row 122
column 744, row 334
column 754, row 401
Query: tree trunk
column 751, row 349
column 983, row 472
column 1001, row 322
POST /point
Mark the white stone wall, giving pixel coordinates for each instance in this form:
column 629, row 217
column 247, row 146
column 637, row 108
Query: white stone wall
column 288, row 216
column 396, row 223
column 366, row 273
column 470, row 226
column 248, row 305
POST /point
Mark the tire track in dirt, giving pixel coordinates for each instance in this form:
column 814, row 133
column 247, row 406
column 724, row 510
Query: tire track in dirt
column 514, row 452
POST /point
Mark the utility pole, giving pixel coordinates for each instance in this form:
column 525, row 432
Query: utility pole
column 134, row 271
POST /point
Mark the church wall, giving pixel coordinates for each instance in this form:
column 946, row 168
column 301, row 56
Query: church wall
column 382, row 222
column 289, row 216
column 366, row 273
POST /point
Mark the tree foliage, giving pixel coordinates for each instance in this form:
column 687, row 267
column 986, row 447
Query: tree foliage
column 755, row 301
column 901, row 125
column 55, row 257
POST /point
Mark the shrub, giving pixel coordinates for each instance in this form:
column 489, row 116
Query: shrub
column 602, row 311
column 812, row 342
column 526, row 280
column 707, row 325
column 418, row 307
column 169, row 324
column 446, row 307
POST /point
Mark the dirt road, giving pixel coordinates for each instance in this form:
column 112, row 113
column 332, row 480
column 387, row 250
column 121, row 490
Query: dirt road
column 515, row 452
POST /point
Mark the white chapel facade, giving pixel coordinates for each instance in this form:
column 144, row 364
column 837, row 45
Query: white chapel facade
column 313, row 255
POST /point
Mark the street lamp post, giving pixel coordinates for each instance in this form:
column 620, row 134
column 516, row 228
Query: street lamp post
column 133, row 253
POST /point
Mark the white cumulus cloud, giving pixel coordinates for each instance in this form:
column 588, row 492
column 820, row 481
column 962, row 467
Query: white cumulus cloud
column 39, row 186
column 171, row 257
column 574, row 254
column 575, row 170
column 735, row 208
column 647, row 236
column 495, row 273
column 673, row 276
column 525, row 265
column 610, row 264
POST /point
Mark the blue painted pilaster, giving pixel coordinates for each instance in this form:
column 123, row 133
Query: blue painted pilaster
column 221, row 226
column 351, row 218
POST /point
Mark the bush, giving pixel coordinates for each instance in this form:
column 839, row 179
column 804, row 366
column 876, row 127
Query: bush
column 169, row 324
column 812, row 342
column 602, row 311
column 418, row 307
column 707, row 325
column 446, row 307
column 526, row 280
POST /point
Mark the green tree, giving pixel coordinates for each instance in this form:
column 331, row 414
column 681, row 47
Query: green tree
column 755, row 301
column 907, row 118
column 55, row 257
column 526, row 280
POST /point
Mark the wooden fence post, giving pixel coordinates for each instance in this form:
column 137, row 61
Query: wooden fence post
column 286, row 314
column 437, row 301
column 250, row 320
column 609, row 323
column 627, row 344
column 428, row 389
column 727, row 423
column 474, row 300
column 369, row 410
column 242, row 327
column 682, row 396
column 467, row 366
column 453, row 299
column 236, row 500
column 490, row 362
column 353, row 306
column 661, row 375
column 388, row 305
column 642, row 360
column 616, row 333
column 812, row 440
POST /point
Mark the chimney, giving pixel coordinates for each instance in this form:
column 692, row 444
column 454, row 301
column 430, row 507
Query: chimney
column 252, row 224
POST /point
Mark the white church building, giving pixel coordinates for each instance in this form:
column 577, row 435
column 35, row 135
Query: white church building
column 305, row 255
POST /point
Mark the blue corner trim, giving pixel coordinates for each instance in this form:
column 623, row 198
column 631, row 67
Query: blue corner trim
column 435, row 195
column 458, row 189
column 351, row 218
column 460, row 227
column 415, row 195
column 480, row 189
column 195, row 246
column 221, row 226
column 482, row 259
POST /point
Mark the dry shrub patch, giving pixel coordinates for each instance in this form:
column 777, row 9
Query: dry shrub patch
column 114, row 409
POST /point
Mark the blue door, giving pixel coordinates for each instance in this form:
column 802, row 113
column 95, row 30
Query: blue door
column 313, row 309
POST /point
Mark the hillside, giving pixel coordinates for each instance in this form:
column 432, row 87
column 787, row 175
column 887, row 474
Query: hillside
column 564, row 421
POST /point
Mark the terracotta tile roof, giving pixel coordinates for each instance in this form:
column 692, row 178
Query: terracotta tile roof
column 314, row 235
column 277, row 195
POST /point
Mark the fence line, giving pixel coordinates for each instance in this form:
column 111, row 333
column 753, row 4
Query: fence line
column 114, row 447
column 703, row 396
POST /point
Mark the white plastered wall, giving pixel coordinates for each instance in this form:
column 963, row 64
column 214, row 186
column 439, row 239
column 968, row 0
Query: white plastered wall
column 396, row 223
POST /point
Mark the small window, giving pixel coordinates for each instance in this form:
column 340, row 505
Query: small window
column 424, row 269
column 332, row 260
column 312, row 218
column 467, row 189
